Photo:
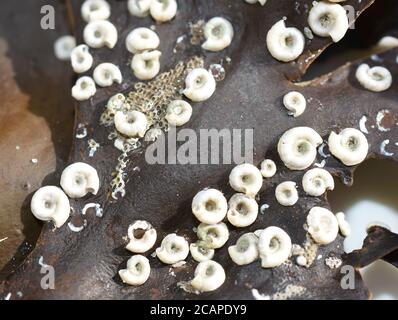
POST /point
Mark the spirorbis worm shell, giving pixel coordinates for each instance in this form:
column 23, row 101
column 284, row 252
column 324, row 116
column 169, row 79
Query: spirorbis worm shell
column 322, row 225
column 316, row 181
column 105, row 74
column 178, row 113
column 328, row 19
column 209, row 276
column 218, row 32
column 199, row 85
column 146, row 65
column 84, row 88
column 132, row 124
column 137, row 272
column 173, row 249
column 141, row 39
column 245, row 250
column 294, row 102
column 78, row 179
column 213, row 235
column 285, row 44
column 350, row 146
column 209, row 206
column 139, row 8
column 274, row 247
column 243, row 210
column 268, row 168
column 99, row 33
column 81, row 59
column 246, row 178
column 375, row 79
column 297, row 147
column 163, row 10
column 95, row 10
column 147, row 239
column 200, row 252
column 286, row 193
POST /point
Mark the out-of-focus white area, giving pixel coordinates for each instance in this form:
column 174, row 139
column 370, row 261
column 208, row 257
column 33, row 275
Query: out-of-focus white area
column 364, row 214
column 372, row 200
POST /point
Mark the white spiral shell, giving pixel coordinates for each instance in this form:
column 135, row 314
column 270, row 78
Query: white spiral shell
column 137, row 272
column 246, row 178
column 316, row 181
column 274, row 247
column 218, row 32
column 350, row 146
column 297, row 147
column 328, row 19
column 375, row 79
column 322, row 225
column 78, row 179
column 245, row 250
column 173, row 249
column 144, row 243
column 209, row 276
column 285, row 44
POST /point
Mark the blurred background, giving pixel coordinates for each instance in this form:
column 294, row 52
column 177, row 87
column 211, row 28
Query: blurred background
column 36, row 123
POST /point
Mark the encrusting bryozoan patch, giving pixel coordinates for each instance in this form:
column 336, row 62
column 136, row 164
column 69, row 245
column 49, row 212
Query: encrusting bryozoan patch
column 50, row 203
column 328, row 19
column 350, row 146
column 322, row 225
column 375, row 79
column 141, row 39
column 262, row 2
column 143, row 243
column 316, row 181
column 285, row 44
column 137, row 272
column 243, row 210
column 286, row 193
column 246, row 178
column 81, row 59
column 209, row 206
column 199, row 85
column 63, row 47
column 218, row 32
column 100, row 33
column 245, row 250
column 132, row 124
column 139, row 8
column 209, row 276
column 294, row 102
column 344, row 226
column 163, row 10
column 213, row 235
column 200, row 252
column 297, row 147
column 173, row 249
column 268, row 168
column 146, row 65
column 178, row 113
column 84, row 88
column 274, row 246
column 78, row 179
column 105, row 74
column 95, row 10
